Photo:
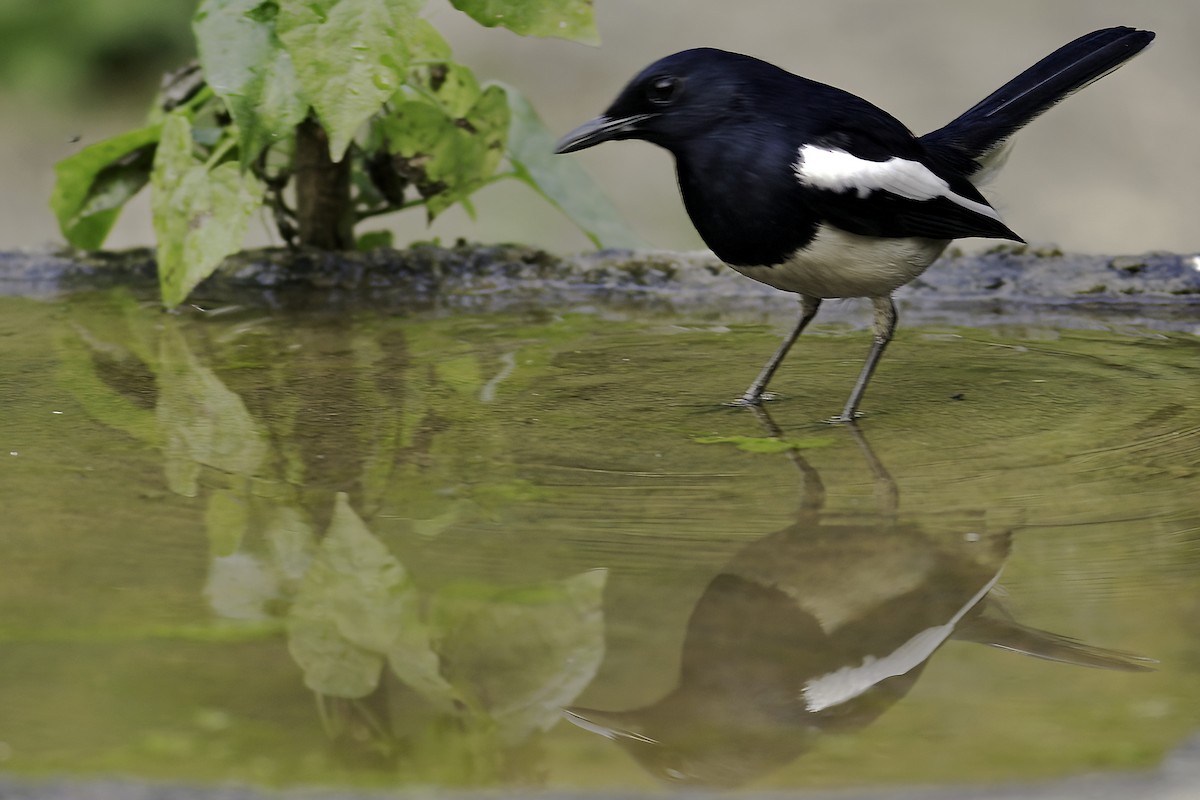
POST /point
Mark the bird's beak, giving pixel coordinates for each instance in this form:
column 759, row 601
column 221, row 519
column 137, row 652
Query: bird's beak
column 600, row 129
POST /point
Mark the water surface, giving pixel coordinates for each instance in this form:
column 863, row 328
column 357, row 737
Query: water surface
column 401, row 549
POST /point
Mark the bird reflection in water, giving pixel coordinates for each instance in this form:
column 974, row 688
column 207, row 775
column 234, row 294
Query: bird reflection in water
column 820, row 628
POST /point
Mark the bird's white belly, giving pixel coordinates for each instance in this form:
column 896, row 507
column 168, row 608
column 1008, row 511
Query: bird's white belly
column 841, row 264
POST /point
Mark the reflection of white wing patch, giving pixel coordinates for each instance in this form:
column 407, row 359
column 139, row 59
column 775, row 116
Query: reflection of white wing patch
column 838, row 171
column 847, row 683
column 605, row 731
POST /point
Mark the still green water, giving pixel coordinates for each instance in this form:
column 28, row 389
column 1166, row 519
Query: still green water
column 393, row 550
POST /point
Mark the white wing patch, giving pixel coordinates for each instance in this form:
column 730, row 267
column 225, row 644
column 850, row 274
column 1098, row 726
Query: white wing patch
column 839, row 171
column 847, row 683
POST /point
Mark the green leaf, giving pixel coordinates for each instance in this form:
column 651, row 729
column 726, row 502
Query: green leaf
column 425, row 42
column 203, row 423
column 357, row 607
column 455, row 88
column 92, row 185
column 226, row 519
column 766, row 444
column 247, row 66
column 566, row 19
column 110, row 335
column 447, row 157
column 561, row 180
column 240, row 587
column 292, row 541
column 350, row 56
column 523, row 652
column 332, row 665
column 200, row 214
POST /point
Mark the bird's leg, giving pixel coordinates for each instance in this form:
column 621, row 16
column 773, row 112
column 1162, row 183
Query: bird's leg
column 887, row 493
column 754, row 395
column 812, row 498
column 882, row 327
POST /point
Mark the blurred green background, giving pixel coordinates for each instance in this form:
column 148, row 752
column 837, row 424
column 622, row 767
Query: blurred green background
column 1113, row 170
column 88, row 55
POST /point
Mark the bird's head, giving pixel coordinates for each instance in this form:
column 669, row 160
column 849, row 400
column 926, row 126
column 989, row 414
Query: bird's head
column 677, row 99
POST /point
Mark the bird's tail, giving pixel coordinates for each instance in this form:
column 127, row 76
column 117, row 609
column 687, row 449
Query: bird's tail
column 984, row 129
column 1008, row 634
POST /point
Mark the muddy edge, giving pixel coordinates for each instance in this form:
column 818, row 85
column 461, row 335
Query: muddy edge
column 1163, row 289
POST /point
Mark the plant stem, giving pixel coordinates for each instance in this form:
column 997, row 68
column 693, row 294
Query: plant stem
column 324, row 212
column 388, row 209
column 219, row 153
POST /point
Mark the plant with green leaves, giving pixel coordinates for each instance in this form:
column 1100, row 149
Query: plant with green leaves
column 327, row 113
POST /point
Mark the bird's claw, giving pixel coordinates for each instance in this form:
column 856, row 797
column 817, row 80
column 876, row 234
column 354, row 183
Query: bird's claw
column 749, row 400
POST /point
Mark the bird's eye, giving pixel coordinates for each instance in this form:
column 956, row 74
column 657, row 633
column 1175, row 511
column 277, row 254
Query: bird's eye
column 662, row 90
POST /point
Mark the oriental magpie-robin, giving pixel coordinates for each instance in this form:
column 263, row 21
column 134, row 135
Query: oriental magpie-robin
column 812, row 190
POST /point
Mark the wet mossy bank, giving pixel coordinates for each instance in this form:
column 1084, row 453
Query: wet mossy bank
column 1006, row 282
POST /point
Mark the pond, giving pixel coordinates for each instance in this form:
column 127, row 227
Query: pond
column 531, row 549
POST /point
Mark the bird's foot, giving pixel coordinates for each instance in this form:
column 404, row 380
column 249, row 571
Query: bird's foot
column 750, row 399
column 844, row 418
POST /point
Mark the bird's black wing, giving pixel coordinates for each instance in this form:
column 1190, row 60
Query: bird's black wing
column 865, row 173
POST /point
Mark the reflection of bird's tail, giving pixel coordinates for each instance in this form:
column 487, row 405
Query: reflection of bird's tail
column 1009, row 635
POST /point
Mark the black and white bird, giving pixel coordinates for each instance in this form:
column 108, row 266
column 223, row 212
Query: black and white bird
column 812, row 190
